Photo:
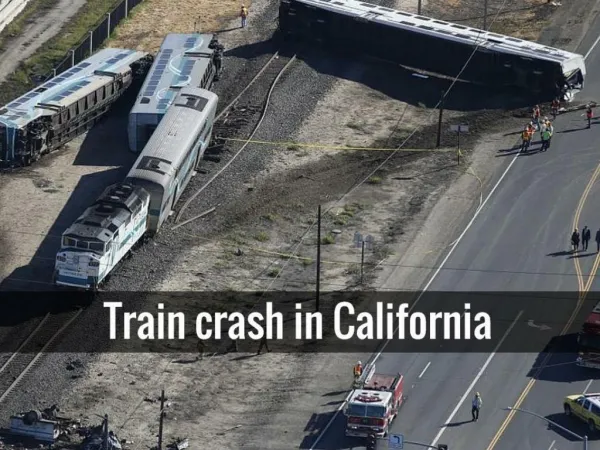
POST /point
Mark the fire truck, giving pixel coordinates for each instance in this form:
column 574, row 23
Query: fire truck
column 588, row 341
column 373, row 403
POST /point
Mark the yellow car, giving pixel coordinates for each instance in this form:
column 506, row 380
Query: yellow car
column 584, row 407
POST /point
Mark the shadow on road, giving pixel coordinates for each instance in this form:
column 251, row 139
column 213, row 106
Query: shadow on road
column 316, row 425
column 572, row 424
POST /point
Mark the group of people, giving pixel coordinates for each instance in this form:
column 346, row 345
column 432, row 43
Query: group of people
column 584, row 238
column 543, row 125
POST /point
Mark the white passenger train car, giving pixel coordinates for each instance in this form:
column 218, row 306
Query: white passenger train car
column 183, row 60
column 66, row 106
column 102, row 236
column 356, row 27
column 169, row 160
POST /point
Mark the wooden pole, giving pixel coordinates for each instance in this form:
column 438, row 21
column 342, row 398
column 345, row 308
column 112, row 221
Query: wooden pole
column 362, row 262
column 439, row 131
column 162, row 415
column 485, row 14
column 419, row 7
column 318, row 259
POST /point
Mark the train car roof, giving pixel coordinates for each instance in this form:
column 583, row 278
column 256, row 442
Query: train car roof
column 101, row 220
column 88, row 75
column 444, row 30
column 181, row 61
column 178, row 130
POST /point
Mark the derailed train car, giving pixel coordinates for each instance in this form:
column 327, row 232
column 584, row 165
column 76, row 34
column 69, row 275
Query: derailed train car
column 183, row 60
column 106, row 231
column 68, row 105
column 432, row 45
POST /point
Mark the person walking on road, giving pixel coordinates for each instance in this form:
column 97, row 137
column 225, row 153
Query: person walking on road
column 476, row 406
column 575, row 240
column 586, row 235
column 244, row 16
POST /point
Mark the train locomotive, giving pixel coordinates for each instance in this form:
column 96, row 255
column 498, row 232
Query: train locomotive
column 66, row 106
column 138, row 206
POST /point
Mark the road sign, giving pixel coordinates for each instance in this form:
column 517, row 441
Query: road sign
column 460, row 128
column 396, row 441
column 358, row 239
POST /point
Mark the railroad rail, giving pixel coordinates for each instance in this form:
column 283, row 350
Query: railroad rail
column 226, row 123
column 32, row 349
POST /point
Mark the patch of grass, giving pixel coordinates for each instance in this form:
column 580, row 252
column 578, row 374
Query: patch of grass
column 294, row 148
column 55, row 50
column 306, row 261
column 328, row 239
column 353, row 269
column 270, row 217
column 375, row 180
column 341, row 220
column 274, row 272
column 262, row 237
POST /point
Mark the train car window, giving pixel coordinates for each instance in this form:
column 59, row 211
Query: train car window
column 460, row 27
column 97, row 246
column 69, row 242
column 82, row 244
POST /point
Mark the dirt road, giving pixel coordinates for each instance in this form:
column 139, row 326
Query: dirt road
column 39, row 29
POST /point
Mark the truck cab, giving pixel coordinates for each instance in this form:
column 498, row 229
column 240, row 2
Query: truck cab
column 588, row 341
column 374, row 404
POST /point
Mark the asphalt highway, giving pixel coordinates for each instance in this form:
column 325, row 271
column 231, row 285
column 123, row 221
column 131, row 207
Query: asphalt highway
column 518, row 242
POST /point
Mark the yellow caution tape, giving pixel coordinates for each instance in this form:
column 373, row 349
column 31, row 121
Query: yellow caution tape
column 334, row 147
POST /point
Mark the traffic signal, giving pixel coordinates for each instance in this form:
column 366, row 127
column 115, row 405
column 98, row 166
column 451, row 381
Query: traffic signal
column 442, row 447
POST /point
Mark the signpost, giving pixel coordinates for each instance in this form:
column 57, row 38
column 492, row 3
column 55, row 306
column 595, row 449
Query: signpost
column 396, row 441
column 459, row 129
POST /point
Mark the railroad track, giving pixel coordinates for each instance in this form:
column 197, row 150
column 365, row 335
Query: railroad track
column 31, row 350
column 232, row 117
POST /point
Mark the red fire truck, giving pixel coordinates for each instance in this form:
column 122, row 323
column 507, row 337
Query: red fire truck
column 373, row 404
column 588, row 341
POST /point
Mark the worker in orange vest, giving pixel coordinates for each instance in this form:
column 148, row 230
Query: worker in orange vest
column 244, row 15
column 358, row 368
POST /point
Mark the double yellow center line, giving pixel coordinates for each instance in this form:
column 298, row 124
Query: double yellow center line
column 584, row 288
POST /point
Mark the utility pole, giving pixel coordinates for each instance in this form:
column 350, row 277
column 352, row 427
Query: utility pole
column 105, row 432
column 439, row 131
column 362, row 262
column 485, row 14
column 419, row 7
column 318, row 259
column 161, row 419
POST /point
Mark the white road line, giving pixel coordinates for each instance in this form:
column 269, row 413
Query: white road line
column 475, row 380
column 454, row 245
column 337, row 412
column 435, row 274
column 425, row 369
column 588, row 386
column 551, row 445
column 592, row 48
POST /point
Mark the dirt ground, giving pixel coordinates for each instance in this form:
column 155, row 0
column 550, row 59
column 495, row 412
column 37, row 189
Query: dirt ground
column 411, row 208
column 38, row 30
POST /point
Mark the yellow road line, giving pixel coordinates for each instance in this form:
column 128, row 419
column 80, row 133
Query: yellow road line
column 583, row 291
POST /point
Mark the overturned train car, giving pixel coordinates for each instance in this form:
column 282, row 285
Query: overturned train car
column 66, row 106
column 432, row 45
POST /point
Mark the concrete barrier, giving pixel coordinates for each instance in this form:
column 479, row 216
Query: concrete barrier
column 9, row 9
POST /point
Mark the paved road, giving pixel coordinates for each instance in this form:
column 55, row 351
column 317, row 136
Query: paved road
column 519, row 242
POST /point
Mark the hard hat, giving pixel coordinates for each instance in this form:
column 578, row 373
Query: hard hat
column 476, row 394
column 359, row 363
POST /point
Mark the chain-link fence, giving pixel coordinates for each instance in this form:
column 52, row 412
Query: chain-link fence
column 95, row 38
